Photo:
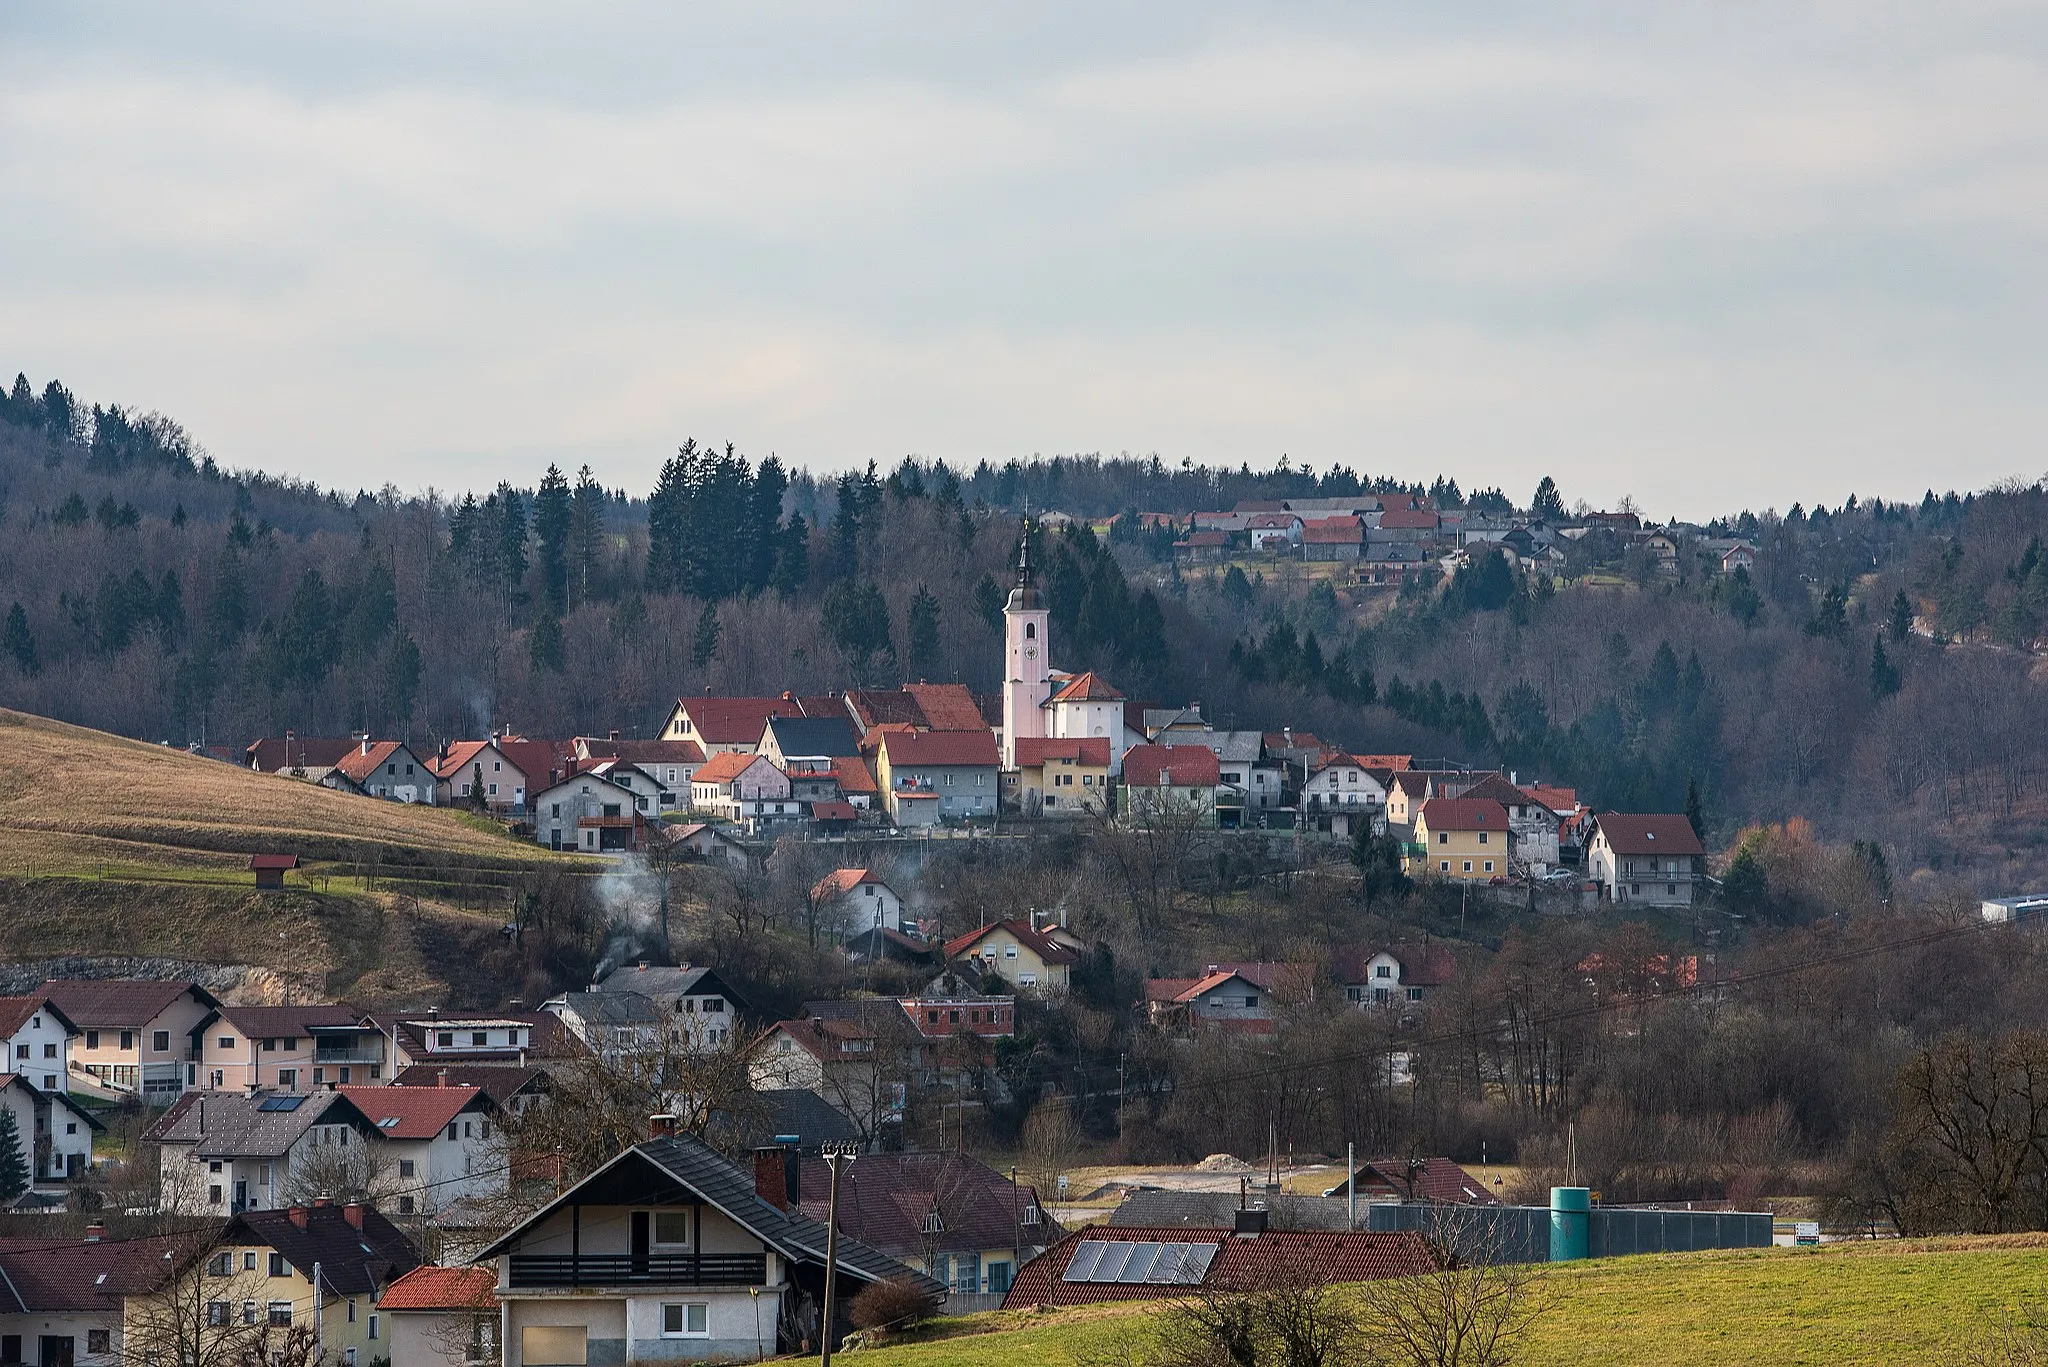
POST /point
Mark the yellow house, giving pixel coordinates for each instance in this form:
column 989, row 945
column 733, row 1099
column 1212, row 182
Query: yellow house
column 1018, row 954
column 1460, row 838
column 1061, row 778
column 257, row 1280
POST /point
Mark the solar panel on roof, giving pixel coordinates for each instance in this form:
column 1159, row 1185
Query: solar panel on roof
column 1139, row 1267
column 1139, row 1264
column 1087, row 1255
column 280, row 1103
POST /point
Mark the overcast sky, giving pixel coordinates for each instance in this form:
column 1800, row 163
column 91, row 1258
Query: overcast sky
column 1712, row 255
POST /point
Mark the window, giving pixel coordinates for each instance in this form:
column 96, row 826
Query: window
column 1482, row 837
column 1383, row 971
column 99, row 1341
column 1489, row 866
column 445, row 1039
column 351, row 1309
column 160, row 1042
column 49, row 1051
column 672, row 1228
column 406, row 1167
column 127, row 1039
column 248, row 1312
column 373, row 1326
column 288, row 1078
column 220, row 1265
column 494, row 790
column 277, row 1265
column 451, row 1130
column 1445, row 866
column 1443, row 837
column 554, row 1345
column 92, row 1039
column 1251, row 1000
column 998, row 1278
column 217, row 1312
column 249, row 1262
column 280, row 1314
column 1468, row 866
column 479, row 1038
column 1030, row 631
column 1415, row 994
column 405, row 1205
column 685, row 1320
column 213, row 1195
column 349, row 1355
column 269, row 1045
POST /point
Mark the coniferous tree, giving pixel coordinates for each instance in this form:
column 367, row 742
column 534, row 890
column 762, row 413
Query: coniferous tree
column 792, row 557
column 15, row 1177
column 586, row 534
column 169, row 610
column 401, row 685
column 704, row 648
column 551, row 517
column 511, row 538
column 921, row 625
column 1547, row 503
column 19, row 642
column 544, row 643
column 1884, row 675
column 989, row 601
column 764, row 521
column 71, row 512
column 1695, row 814
column 1900, row 622
column 856, row 617
column 846, row 530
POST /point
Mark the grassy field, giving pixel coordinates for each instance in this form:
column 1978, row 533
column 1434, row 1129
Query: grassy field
column 1849, row 1303
column 113, row 847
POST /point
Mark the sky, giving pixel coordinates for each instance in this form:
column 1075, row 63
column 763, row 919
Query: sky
column 1706, row 255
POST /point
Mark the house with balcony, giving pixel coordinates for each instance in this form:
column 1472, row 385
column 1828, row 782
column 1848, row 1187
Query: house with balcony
column 696, row 999
column 220, row 1153
column 499, row 1039
column 1645, row 859
column 1391, row 975
column 243, row 1047
column 597, row 811
column 56, row 1132
column 317, row 1268
column 1059, row 778
column 670, row 1253
column 746, row 790
column 1019, row 953
column 1170, row 782
column 134, row 1035
column 1339, row 792
column 933, row 777
column 669, row 762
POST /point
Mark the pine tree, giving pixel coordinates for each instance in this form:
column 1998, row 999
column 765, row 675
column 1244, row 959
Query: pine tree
column 921, row 623
column 14, row 1171
column 705, row 648
column 511, row 537
column 792, row 557
column 401, row 680
column 1884, row 675
column 551, row 516
column 1695, row 815
column 989, row 602
column 544, row 643
column 586, row 534
column 19, row 642
column 846, row 529
column 668, row 521
column 1900, row 622
column 1547, row 503
column 764, row 523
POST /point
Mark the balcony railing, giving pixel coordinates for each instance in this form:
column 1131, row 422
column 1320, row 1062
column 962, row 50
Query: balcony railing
column 623, row 1269
column 348, row 1053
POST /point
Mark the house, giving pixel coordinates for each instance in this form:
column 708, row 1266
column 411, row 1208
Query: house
column 1391, row 562
column 262, row 1265
column 1088, row 707
column 956, row 1220
column 480, row 773
column 703, row 842
column 134, row 1034
column 442, row 1315
column 1221, row 996
column 1393, row 975
column 746, row 790
column 1273, row 531
column 270, row 869
column 619, row 1027
column 35, row 1042
column 594, row 812
column 858, row 1063
column 670, row 762
column 1173, row 723
column 891, row 946
column 929, row 777
column 857, row 786
column 1461, row 839
column 505, row 1039
column 858, row 900
column 90, row 1302
column 1407, row 526
column 289, row 1048
column 1143, row 1208
column 435, row 1143
column 726, row 726
column 1531, row 822
column 669, row 1253
column 1019, row 953
column 223, row 1152
column 1740, row 556
column 56, row 1132
column 1340, row 790
column 307, row 757
column 1204, row 546
column 696, row 998
column 1437, row 1180
column 390, row 770
column 1249, row 781
column 784, row 739
column 1333, row 538
column 1132, row 1263
column 511, row 1090
column 1060, row 778
column 1169, row 781
column 1649, row 859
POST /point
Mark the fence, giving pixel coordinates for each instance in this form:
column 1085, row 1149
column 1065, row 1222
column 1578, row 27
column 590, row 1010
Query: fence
column 1521, row 1234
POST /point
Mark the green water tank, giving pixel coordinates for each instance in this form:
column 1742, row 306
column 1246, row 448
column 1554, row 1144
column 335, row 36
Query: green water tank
column 1570, row 1221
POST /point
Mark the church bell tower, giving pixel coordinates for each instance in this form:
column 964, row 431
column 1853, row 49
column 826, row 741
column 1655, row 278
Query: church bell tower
column 1027, row 673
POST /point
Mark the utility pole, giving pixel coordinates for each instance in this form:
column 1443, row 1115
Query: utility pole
column 837, row 1156
column 1350, row 1185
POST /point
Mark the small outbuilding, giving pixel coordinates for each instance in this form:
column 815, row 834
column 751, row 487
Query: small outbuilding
column 270, row 869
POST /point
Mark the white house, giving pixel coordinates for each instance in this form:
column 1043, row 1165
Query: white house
column 670, row 1253
column 56, row 1132
column 745, row 789
column 1393, row 975
column 861, row 898
column 37, row 1039
column 695, row 998
column 1651, row 859
column 597, row 809
column 1087, row 707
column 435, row 1144
column 389, row 769
column 220, row 1153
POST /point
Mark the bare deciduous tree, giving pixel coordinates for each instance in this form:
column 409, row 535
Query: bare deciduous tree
column 1474, row 1312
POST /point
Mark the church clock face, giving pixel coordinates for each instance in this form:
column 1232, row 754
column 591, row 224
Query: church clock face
column 1030, row 652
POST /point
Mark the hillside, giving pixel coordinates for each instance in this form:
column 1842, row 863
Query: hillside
column 1847, row 1303
column 114, row 846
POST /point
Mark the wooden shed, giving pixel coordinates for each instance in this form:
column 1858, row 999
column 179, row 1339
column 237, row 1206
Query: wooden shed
column 271, row 868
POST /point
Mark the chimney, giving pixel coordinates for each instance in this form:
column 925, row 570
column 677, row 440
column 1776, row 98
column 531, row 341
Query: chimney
column 778, row 1176
column 353, row 1213
column 1249, row 1224
column 95, row 1232
column 366, row 742
column 322, row 1202
column 433, row 1013
column 441, row 1078
column 661, row 1126
column 297, row 1214
column 615, row 735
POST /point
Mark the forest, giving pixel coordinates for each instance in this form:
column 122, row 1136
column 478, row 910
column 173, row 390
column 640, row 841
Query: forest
column 1876, row 675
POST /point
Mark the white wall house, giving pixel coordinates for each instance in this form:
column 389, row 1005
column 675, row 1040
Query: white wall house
column 1649, row 859
column 437, row 1145
column 860, row 900
column 220, row 1153
column 37, row 1038
column 56, row 1132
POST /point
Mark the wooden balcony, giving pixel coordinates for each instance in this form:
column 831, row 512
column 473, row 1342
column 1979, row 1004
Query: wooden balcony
column 624, row 1269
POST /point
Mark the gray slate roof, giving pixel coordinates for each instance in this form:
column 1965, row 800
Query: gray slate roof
column 1217, row 1209
column 613, row 1008
column 234, row 1125
column 801, row 736
column 667, row 984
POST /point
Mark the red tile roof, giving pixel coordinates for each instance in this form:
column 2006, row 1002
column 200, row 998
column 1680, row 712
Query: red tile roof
column 118, row 1002
column 273, row 861
column 834, row 811
column 1334, row 531
column 1394, row 762
column 44, row 1275
column 1559, row 800
column 1038, row 942
column 16, row 1012
column 361, row 762
column 1628, row 834
column 411, row 1112
column 942, row 747
column 1464, row 814
column 736, row 721
column 1087, row 686
column 884, row 1198
column 1185, row 766
column 1436, row 1179
column 947, row 707
column 854, row 776
column 459, row 758
column 1239, row 1264
column 1271, row 522
column 1421, row 965
column 1401, row 519
column 839, row 882
column 644, row 752
column 1205, row 539
column 1033, row 751
column 872, row 707
column 306, row 752
column 541, row 762
column 271, row 1022
column 724, row 768
column 443, row 1288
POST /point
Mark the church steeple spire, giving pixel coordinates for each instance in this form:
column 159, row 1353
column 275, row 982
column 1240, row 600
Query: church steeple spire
column 1024, row 597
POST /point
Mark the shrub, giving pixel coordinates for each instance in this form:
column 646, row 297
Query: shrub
column 894, row 1304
